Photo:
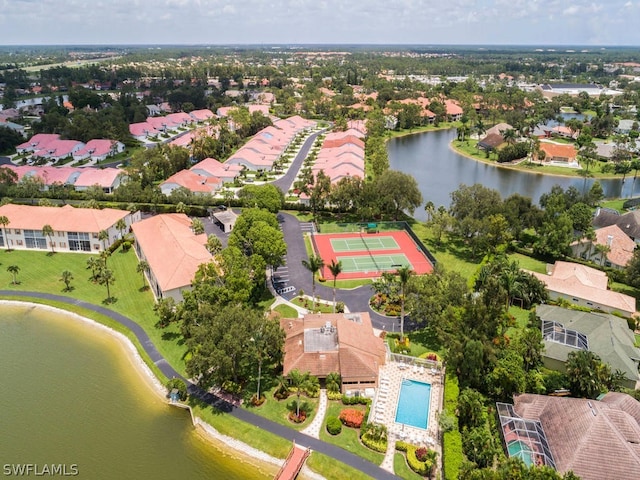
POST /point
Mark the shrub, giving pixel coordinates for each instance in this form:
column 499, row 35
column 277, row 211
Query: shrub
column 351, row 417
column 452, row 456
column 298, row 418
column 334, row 395
column 355, row 400
column 375, row 445
column 402, row 446
column 421, row 454
column 179, row 384
column 126, row 246
column 421, row 467
column 334, row 425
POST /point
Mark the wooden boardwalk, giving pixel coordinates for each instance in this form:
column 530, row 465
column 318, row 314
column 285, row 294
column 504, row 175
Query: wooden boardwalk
column 294, row 462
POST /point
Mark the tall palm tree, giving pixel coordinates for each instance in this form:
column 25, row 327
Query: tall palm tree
column 214, row 245
column 333, row 382
column 404, row 273
column 300, row 381
column 197, row 226
column 121, row 225
column 47, row 230
column 603, row 249
column 4, row 221
column 106, row 278
column 336, row 269
column 314, row 264
column 142, row 268
column 13, row 270
column 66, row 277
column 103, row 236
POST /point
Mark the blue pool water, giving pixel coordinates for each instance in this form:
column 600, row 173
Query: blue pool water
column 413, row 404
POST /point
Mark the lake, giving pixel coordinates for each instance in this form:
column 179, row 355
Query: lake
column 439, row 170
column 71, row 396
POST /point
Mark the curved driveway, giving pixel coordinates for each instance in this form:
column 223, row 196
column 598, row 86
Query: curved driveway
column 239, row 413
column 284, row 183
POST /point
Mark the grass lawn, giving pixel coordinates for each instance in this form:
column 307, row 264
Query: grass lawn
column 286, row 311
column 330, row 468
column 253, row 436
column 529, row 263
column 278, row 410
column 614, row 204
column 348, row 284
column 349, row 437
column 401, row 468
column 40, row 272
column 306, row 303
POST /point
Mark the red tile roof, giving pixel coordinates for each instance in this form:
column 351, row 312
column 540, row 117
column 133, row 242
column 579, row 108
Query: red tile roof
column 61, row 219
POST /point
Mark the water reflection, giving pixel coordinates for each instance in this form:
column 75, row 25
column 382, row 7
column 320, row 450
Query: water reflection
column 439, row 170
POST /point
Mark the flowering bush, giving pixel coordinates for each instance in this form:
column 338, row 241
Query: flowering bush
column 351, row 417
column 421, row 454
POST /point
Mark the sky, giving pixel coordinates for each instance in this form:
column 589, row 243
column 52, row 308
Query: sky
column 217, row 22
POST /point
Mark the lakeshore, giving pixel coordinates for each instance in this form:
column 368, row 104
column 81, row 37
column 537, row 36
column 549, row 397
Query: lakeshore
column 226, row 446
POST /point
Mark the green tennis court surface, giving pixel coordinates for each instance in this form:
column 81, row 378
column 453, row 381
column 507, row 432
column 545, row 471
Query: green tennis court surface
column 358, row 244
column 373, row 263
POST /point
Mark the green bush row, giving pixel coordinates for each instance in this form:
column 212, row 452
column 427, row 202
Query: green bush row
column 375, row 445
column 355, row 400
column 452, row 456
column 421, row 468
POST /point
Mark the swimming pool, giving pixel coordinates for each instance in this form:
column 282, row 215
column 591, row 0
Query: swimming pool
column 413, row 404
column 520, row 449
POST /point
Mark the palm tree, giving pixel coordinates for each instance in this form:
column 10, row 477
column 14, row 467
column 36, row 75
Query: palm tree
column 142, row 268
column 404, row 273
column 13, row 270
column 66, row 277
column 4, row 221
column 509, row 136
column 214, row 245
column 106, row 278
column 602, row 249
column 181, row 207
column 336, row 269
column 333, row 382
column 103, row 236
column 314, row 264
column 300, row 381
column 197, row 226
column 93, row 263
column 47, row 230
column 121, row 225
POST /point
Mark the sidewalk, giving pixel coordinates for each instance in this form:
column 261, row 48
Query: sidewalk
column 313, row 430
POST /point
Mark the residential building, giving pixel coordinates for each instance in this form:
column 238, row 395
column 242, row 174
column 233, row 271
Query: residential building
column 629, row 223
column 99, row 149
column 75, row 229
column 199, row 184
column 565, row 331
column 341, row 342
column 173, row 252
column 596, row 440
column 559, row 153
column 210, row 167
column 584, row 286
column 610, row 248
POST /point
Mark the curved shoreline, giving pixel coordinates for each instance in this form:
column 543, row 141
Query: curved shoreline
column 227, row 445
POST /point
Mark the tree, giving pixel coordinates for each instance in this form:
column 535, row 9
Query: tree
column 142, row 268
column 214, row 245
column 267, row 335
column 197, row 226
column 588, row 376
column 472, row 412
column 47, row 231
column 4, row 221
column 404, row 273
column 103, row 236
column 397, row 191
column 268, row 197
column 106, row 278
column 121, row 225
column 13, row 270
column 314, row 264
column 299, row 381
column 632, row 270
column 333, row 382
column 66, row 277
column 336, row 269
column 602, row 249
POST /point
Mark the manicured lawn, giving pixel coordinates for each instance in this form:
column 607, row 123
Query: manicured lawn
column 286, row 311
column 253, row 436
column 614, row 204
column 349, row 437
column 401, row 468
column 529, row 263
column 41, row 271
column 348, row 284
column 278, row 410
column 306, row 303
column 330, row 468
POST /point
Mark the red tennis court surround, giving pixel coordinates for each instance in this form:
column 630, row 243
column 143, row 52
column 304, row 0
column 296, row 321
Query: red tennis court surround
column 420, row 264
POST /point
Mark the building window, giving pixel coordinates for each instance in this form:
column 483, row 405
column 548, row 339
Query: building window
column 17, row 232
column 79, row 242
column 35, row 239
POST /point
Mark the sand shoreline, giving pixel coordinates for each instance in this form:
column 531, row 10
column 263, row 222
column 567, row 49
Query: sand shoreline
column 227, row 445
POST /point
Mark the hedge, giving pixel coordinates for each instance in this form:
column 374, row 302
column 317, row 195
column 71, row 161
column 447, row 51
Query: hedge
column 355, row 400
column 421, row 468
column 377, row 446
column 334, row 425
column 452, row 456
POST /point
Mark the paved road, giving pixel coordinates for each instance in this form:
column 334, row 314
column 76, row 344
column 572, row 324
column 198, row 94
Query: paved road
column 239, row 413
column 284, row 183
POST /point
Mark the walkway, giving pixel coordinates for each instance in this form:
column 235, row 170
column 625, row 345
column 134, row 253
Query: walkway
column 293, row 463
column 168, row 371
column 313, row 430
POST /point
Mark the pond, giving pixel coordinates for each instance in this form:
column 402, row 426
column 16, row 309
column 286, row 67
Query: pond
column 439, row 170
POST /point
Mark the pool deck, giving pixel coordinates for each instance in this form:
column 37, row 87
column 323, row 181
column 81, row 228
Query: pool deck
column 385, row 404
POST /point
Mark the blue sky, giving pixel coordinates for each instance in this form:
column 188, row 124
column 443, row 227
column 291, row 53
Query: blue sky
column 532, row 22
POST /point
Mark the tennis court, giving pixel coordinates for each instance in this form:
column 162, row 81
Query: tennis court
column 373, row 263
column 361, row 243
